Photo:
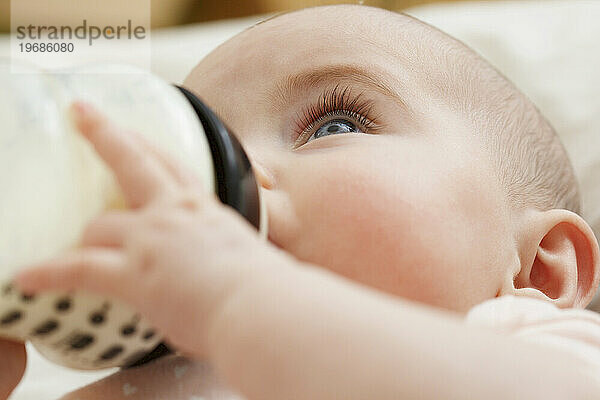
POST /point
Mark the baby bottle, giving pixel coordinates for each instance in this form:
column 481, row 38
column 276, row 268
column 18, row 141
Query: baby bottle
column 52, row 184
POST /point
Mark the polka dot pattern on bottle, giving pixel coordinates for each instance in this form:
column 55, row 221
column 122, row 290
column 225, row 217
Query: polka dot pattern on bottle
column 81, row 332
column 11, row 317
column 46, row 328
column 63, row 304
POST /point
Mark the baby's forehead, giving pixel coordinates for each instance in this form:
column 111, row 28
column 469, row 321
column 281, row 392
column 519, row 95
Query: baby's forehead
column 425, row 68
column 413, row 52
column 364, row 37
column 352, row 28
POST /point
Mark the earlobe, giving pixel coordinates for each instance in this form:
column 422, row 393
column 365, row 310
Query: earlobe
column 559, row 259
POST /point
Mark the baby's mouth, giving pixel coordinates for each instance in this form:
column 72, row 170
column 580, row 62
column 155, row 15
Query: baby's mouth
column 273, row 237
column 273, row 241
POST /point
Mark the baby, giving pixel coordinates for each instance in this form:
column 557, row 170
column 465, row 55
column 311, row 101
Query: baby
column 423, row 224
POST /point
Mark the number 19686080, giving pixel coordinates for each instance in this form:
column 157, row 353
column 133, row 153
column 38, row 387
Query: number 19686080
column 47, row 47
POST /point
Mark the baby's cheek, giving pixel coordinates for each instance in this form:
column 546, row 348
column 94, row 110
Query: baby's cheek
column 356, row 223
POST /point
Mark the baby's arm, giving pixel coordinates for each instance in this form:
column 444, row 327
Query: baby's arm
column 307, row 334
column 273, row 327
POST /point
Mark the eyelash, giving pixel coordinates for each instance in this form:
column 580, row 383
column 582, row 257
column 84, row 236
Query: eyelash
column 336, row 102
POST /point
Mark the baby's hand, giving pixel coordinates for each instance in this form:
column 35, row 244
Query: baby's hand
column 175, row 256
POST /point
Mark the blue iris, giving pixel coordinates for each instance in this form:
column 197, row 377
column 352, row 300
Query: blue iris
column 334, row 127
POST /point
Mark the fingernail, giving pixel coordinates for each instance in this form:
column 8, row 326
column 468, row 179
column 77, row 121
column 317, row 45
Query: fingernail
column 23, row 282
column 81, row 107
column 79, row 111
column 74, row 114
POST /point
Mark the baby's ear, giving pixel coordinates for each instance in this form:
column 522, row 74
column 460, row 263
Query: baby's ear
column 559, row 259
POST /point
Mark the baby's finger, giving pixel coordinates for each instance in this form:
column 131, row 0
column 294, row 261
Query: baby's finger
column 183, row 175
column 109, row 229
column 96, row 270
column 139, row 174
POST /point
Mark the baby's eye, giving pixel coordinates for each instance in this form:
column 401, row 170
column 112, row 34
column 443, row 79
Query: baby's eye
column 336, row 111
column 334, row 127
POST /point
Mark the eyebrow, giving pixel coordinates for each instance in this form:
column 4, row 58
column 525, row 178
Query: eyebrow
column 331, row 73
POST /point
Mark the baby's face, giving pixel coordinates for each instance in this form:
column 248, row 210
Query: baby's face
column 366, row 169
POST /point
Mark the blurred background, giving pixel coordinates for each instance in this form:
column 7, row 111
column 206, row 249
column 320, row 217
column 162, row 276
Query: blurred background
column 178, row 12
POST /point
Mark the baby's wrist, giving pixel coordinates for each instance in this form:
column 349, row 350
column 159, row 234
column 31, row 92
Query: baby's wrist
column 237, row 278
column 244, row 294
